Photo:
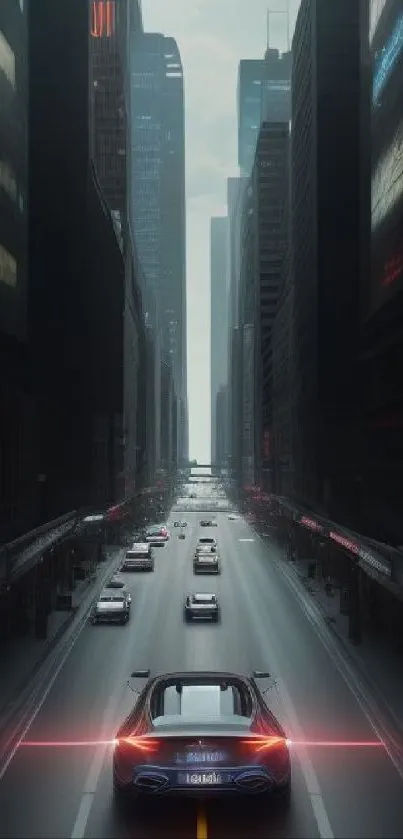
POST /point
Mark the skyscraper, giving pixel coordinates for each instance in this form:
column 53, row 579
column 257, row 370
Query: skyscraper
column 219, row 319
column 381, row 436
column 158, row 198
column 326, row 211
column 264, row 93
column 17, row 424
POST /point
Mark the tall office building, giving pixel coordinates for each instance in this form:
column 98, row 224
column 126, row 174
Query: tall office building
column 18, row 472
column 219, row 321
column 158, row 198
column 264, row 93
column 380, row 469
column 110, row 24
column 235, row 193
column 326, row 229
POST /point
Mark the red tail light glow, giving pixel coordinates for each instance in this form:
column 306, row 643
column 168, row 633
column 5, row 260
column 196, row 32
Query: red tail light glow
column 143, row 744
column 262, row 743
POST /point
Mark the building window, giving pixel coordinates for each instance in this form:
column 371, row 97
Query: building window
column 7, row 60
column 8, row 268
column 7, row 180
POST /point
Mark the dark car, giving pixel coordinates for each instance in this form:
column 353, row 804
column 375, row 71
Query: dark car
column 201, row 734
column 117, row 581
column 208, row 523
column 202, row 607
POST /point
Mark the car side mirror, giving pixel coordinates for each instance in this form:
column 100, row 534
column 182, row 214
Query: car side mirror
column 140, row 674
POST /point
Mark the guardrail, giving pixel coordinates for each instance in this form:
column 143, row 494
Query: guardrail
column 16, row 554
column 380, row 558
column 377, row 559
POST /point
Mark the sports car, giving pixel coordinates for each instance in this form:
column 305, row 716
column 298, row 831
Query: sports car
column 201, row 734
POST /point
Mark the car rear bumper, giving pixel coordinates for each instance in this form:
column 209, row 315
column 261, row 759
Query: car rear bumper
column 138, row 566
column 238, row 781
column 202, row 616
column 122, row 616
column 206, row 569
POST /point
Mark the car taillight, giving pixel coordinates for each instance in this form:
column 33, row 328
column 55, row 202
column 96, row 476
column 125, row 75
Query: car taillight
column 142, row 744
column 260, row 744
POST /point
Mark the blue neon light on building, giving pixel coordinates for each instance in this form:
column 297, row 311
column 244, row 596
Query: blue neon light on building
column 387, row 60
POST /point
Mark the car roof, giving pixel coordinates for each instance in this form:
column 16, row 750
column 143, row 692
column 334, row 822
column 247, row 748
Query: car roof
column 109, row 594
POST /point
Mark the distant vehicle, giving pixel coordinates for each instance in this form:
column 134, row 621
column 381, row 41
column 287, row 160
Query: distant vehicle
column 208, row 523
column 202, row 607
column 180, row 524
column 117, row 581
column 138, row 558
column 201, row 734
column 157, row 536
column 182, row 535
column 233, row 517
column 206, row 562
column 111, row 607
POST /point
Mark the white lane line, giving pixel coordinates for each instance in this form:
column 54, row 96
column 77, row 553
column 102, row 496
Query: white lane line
column 365, row 701
column 82, row 816
column 88, row 795
column 32, row 717
column 246, row 540
column 306, row 765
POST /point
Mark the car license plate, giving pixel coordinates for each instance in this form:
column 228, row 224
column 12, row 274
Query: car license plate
column 201, row 757
column 201, row 779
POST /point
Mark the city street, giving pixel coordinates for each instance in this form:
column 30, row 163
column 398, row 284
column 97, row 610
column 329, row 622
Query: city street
column 67, row 792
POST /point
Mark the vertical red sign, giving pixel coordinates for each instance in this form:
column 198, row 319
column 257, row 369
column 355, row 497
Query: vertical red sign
column 102, row 18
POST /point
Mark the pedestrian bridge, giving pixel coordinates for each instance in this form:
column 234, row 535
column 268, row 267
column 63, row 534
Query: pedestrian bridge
column 202, row 505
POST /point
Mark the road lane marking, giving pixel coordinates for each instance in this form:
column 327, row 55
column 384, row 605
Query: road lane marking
column 308, row 772
column 246, row 540
column 78, row 629
column 201, row 822
column 82, row 816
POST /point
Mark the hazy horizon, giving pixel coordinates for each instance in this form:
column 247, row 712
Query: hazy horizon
column 211, row 40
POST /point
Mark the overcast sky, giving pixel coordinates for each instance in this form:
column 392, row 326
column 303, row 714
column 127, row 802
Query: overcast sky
column 212, row 35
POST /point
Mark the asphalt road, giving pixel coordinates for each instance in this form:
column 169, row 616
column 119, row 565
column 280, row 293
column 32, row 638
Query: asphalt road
column 340, row 792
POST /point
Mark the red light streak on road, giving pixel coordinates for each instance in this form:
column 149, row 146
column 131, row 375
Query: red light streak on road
column 337, row 744
column 319, row 744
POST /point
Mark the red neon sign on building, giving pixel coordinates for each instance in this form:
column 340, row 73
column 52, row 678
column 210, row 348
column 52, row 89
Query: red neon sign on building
column 103, row 16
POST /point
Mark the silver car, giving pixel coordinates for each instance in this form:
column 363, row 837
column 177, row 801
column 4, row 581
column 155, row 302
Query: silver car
column 112, row 607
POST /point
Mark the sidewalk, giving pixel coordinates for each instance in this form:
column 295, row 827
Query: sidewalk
column 21, row 658
column 375, row 659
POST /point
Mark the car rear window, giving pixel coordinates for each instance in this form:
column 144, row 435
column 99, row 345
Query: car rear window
column 203, row 598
